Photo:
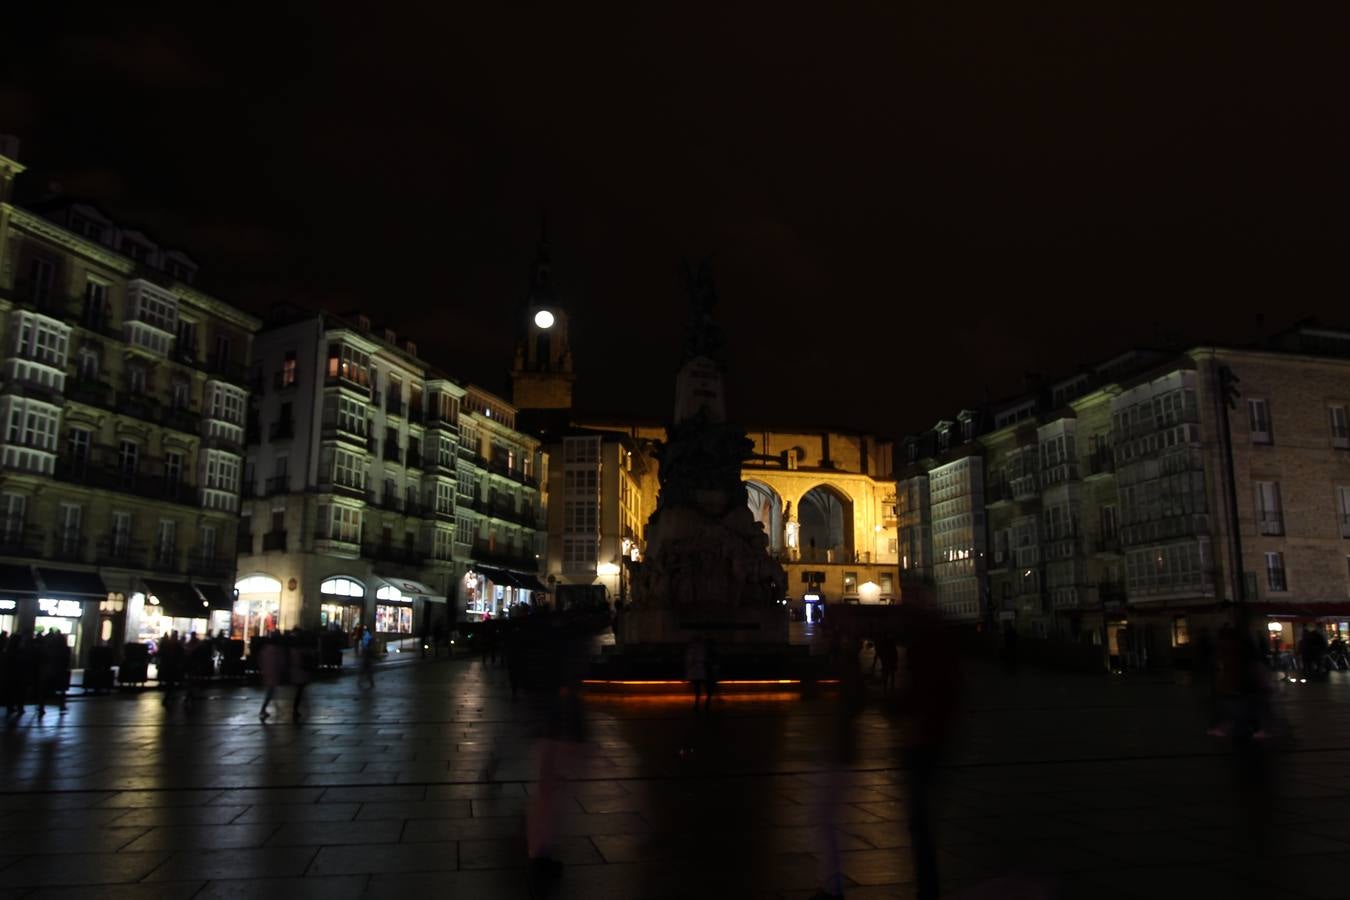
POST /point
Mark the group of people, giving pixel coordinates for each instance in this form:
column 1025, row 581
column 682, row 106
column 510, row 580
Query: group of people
column 185, row 663
column 34, row 668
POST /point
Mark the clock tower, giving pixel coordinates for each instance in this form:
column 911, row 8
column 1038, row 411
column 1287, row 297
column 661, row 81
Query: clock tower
column 542, row 377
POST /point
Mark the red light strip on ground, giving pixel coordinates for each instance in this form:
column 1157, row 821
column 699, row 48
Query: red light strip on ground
column 718, row 683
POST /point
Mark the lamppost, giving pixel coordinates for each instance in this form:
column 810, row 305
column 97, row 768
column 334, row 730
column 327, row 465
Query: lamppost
column 623, row 571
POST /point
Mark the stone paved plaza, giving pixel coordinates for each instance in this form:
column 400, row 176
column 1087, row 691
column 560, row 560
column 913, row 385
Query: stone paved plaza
column 1058, row 786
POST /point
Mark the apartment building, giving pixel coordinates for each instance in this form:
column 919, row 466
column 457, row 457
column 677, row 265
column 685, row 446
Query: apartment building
column 124, row 400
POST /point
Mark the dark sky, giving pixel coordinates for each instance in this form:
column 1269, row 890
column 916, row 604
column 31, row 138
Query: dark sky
column 904, row 201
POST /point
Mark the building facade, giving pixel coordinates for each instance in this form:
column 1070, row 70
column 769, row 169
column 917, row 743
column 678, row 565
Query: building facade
column 124, row 398
column 367, row 485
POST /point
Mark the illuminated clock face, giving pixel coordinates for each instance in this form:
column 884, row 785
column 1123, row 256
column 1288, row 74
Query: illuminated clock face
column 543, row 319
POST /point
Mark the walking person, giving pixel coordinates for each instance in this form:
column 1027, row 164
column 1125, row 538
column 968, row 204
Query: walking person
column 172, row 663
column 890, row 661
column 301, row 663
column 55, row 680
column 272, row 665
column 367, row 649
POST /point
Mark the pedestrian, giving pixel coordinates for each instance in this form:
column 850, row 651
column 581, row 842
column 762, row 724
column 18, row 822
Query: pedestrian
column 54, row 666
column 890, row 661
column 846, row 668
column 302, row 662
column 172, row 665
column 696, row 667
column 273, row 667
column 16, row 666
column 367, row 650
column 929, row 701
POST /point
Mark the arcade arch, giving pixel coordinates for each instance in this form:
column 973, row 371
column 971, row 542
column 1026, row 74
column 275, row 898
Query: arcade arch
column 257, row 607
column 766, row 505
column 825, row 517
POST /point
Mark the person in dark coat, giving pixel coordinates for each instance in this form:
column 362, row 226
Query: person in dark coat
column 53, row 670
column 273, row 665
column 172, row 665
column 16, row 667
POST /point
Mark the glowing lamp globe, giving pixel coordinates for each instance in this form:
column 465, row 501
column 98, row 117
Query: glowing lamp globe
column 543, row 319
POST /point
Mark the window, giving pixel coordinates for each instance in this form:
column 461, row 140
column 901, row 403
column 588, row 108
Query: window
column 581, row 481
column 208, row 542
column 128, row 458
column 13, row 508
column 445, row 454
column 348, row 363
column 166, row 542
column 187, row 339
column 78, row 443
column 181, row 393
column 1259, row 418
column 850, row 583
column 289, row 369
column 1340, row 432
column 222, row 351
column 886, row 581
column 137, row 381
column 173, row 467
column 1268, row 517
column 1181, row 631
column 464, row 529
column 41, row 339
column 579, row 553
column 581, row 450
column 227, row 403
column 343, row 587
column 346, row 414
column 1275, row 578
column 392, row 619
column 345, row 524
column 348, row 469
column 88, row 364
column 443, row 548
column 120, row 540
column 581, row 517
column 68, row 528
column 445, row 497
column 222, row 472
column 41, row 273
column 1343, row 495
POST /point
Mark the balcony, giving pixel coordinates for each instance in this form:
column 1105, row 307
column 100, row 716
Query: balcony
column 274, row 540
column 281, row 430
column 1101, row 462
column 415, row 509
column 226, row 368
column 392, row 451
column 1024, row 487
column 997, row 492
column 164, row 558
column 281, row 381
column 414, row 459
column 115, row 478
column 16, row 540
column 253, row 431
column 1111, row 593
column 138, row 405
column 393, row 404
column 210, row 565
column 436, row 421
column 1103, row 545
column 504, row 556
column 347, row 545
column 180, row 419
column 346, row 489
column 120, row 551
column 1059, row 474
column 90, row 391
column 392, row 553
column 1270, row 523
column 415, row 414
column 278, row 484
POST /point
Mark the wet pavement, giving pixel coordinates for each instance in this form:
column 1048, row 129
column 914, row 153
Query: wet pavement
column 1057, row 786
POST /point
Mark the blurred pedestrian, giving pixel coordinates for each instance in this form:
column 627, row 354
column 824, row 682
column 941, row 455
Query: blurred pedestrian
column 273, row 667
column 367, row 650
column 929, row 702
column 16, row 667
column 845, row 666
column 172, row 664
column 890, row 661
column 53, row 670
column 302, row 660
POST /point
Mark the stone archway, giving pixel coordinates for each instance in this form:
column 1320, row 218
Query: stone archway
column 767, row 507
column 825, row 515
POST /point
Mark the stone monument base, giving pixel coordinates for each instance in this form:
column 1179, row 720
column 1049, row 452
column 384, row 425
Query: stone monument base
column 723, row 624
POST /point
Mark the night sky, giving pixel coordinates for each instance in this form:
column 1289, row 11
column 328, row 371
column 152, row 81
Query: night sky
column 904, row 202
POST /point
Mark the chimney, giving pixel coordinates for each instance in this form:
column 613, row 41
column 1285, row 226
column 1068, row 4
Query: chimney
column 411, row 347
column 362, row 321
column 390, row 336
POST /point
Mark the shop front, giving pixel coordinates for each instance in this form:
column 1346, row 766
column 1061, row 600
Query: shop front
column 18, row 591
column 69, row 603
column 396, row 601
column 256, row 611
column 342, row 604
column 491, row 592
column 165, row 606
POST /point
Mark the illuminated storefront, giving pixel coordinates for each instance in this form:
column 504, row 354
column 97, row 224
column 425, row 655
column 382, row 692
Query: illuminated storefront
column 342, row 603
column 490, row 592
column 256, row 610
column 167, row 606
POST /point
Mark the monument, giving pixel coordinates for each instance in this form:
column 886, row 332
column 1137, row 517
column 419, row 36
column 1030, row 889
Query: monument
column 707, row 568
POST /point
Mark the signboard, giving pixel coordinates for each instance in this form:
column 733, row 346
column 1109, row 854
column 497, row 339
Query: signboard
column 68, row 609
column 9, row 604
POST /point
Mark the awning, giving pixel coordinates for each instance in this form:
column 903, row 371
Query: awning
column 17, row 580
column 408, row 590
column 1312, row 610
column 531, row 583
column 176, row 598
column 215, row 595
column 496, row 576
column 70, row 583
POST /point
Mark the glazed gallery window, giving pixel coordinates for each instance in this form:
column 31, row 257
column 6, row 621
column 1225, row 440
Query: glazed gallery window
column 348, row 363
column 222, row 471
column 12, row 513
column 443, row 547
column 40, row 339
column 445, row 497
column 581, row 450
column 227, row 403
column 348, row 469
column 32, row 424
column 343, row 587
column 579, row 554
column 345, row 524
column 581, row 481
column 393, row 619
column 464, row 530
column 581, row 517
column 345, row 414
